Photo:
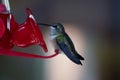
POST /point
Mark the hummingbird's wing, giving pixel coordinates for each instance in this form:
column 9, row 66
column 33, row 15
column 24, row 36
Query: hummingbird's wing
column 69, row 43
column 65, row 48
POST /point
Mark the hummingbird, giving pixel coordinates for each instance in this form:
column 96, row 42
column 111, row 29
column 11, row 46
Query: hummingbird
column 62, row 42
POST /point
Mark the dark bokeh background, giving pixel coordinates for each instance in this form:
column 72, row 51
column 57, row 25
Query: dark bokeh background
column 99, row 21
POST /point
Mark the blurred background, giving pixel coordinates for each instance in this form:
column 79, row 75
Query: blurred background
column 93, row 25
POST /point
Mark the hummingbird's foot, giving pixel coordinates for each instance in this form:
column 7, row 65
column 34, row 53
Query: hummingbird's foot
column 56, row 51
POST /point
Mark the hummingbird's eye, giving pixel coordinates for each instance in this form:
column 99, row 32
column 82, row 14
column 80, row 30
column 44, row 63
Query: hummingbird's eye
column 55, row 26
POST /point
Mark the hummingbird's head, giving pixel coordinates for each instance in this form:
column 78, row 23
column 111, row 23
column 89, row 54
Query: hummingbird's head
column 57, row 28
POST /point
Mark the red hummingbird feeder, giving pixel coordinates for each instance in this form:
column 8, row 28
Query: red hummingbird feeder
column 21, row 35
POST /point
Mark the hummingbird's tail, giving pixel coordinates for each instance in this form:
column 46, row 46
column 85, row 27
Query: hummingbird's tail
column 78, row 56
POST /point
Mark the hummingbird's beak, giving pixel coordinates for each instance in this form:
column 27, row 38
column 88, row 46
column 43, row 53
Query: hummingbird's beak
column 47, row 25
column 44, row 24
